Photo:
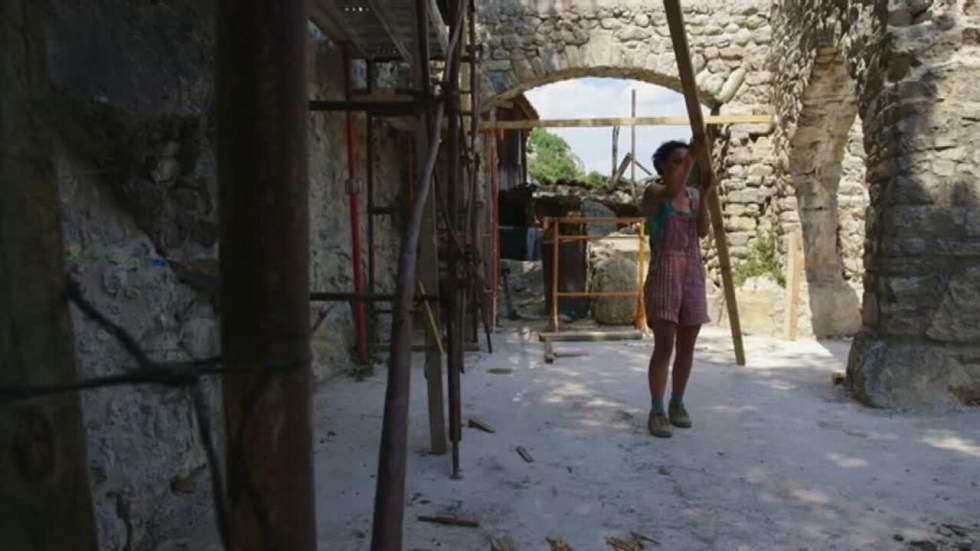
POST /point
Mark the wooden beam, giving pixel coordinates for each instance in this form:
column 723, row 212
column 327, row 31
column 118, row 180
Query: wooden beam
column 673, row 120
column 262, row 152
column 675, row 20
column 45, row 501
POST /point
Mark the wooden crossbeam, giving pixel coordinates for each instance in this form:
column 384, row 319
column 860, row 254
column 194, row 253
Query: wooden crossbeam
column 676, row 120
column 678, row 36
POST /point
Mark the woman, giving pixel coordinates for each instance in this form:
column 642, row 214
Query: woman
column 674, row 295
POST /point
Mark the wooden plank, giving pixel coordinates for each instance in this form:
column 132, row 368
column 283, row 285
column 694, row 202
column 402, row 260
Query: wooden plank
column 678, row 36
column 450, row 520
column 625, row 121
column 793, row 276
column 526, row 455
column 581, row 336
column 477, row 423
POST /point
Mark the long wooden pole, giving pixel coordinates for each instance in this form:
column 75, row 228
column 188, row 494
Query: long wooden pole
column 629, row 121
column 678, row 36
column 45, row 503
column 389, row 497
column 262, row 119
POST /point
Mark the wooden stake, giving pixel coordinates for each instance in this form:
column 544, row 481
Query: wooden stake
column 675, row 20
column 793, row 265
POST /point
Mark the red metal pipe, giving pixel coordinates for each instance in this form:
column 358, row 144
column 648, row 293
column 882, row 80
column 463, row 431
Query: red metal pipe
column 360, row 324
column 495, row 228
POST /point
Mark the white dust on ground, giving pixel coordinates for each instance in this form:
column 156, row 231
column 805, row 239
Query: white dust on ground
column 779, row 457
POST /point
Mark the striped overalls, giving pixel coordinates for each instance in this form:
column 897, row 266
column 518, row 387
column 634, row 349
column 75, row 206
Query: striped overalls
column 675, row 288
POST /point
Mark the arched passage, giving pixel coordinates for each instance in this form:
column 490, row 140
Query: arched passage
column 533, row 43
column 831, row 208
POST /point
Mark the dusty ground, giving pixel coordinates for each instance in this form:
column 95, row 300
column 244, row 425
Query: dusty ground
column 779, row 457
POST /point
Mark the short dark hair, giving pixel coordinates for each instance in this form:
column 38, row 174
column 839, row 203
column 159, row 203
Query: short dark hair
column 663, row 152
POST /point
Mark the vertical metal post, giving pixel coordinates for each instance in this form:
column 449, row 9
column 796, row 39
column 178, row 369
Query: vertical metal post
column 428, row 249
column 369, row 184
column 360, row 324
column 556, row 244
column 494, row 224
column 633, row 143
column 454, row 325
column 264, row 196
column 45, row 502
column 615, row 153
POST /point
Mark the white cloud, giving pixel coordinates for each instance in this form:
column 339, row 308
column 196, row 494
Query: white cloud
column 606, row 97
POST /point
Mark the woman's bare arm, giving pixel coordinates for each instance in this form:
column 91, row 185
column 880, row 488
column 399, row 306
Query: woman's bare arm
column 653, row 196
column 704, row 218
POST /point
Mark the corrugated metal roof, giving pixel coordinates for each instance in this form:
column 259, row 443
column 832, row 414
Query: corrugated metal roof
column 378, row 29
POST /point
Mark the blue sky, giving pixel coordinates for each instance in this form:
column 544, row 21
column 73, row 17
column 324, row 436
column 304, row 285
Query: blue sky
column 609, row 97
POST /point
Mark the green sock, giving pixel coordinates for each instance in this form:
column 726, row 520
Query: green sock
column 657, row 407
column 677, row 399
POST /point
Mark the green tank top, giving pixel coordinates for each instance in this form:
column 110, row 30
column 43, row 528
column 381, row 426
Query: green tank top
column 656, row 222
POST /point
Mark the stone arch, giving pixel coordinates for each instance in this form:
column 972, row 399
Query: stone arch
column 831, row 222
column 533, row 43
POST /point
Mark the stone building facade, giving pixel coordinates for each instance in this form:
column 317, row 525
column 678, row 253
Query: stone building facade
column 871, row 154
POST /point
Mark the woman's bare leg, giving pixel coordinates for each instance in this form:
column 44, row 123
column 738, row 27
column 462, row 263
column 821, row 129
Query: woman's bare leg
column 686, row 338
column 664, row 333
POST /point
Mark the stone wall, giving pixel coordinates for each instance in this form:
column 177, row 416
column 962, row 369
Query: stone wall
column 533, row 43
column 912, row 72
column 137, row 173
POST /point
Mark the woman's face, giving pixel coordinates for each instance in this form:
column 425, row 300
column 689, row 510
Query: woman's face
column 676, row 167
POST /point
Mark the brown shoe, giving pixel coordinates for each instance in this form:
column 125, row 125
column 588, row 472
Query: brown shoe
column 678, row 416
column 659, row 425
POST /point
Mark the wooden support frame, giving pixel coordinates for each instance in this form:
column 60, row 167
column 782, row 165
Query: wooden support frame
column 554, row 224
column 673, row 120
column 678, row 36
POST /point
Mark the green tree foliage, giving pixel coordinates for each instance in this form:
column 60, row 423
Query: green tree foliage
column 763, row 259
column 594, row 179
column 550, row 158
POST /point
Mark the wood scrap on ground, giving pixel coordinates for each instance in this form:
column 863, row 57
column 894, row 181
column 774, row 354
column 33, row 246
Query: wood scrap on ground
column 477, row 423
column 450, row 520
column 502, row 544
column 635, row 543
column 500, row 371
column 640, row 537
column 525, row 454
